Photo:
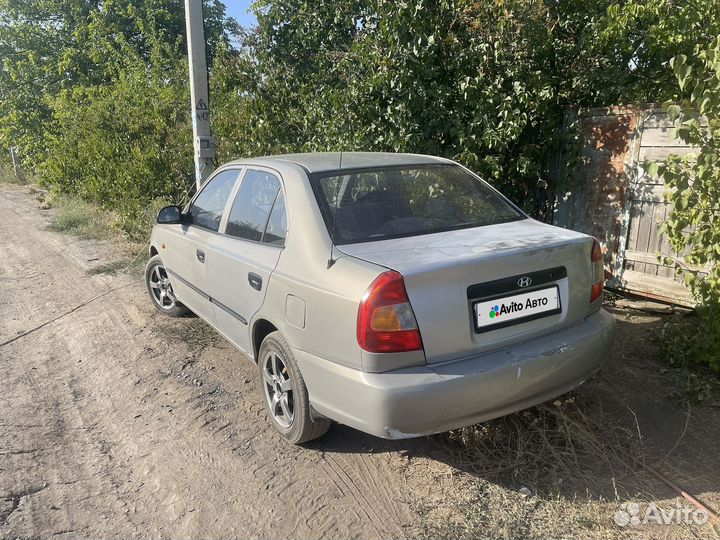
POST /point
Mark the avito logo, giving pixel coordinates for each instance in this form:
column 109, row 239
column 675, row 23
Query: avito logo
column 514, row 307
column 496, row 311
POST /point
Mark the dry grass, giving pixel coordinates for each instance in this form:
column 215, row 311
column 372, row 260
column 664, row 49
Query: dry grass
column 81, row 218
column 72, row 215
column 558, row 470
column 191, row 330
column 7, row 175
column 487, row 510
column 134, row 264
column 559, row 446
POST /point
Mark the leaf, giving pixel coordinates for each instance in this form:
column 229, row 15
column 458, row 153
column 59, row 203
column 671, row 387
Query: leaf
column 673, row 111
column 651, row 168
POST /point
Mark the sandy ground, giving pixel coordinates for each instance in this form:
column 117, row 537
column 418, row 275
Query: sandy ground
column 112, row 426
column 116, row 422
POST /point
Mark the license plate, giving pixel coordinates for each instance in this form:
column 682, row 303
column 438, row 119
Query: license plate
column 516, row 308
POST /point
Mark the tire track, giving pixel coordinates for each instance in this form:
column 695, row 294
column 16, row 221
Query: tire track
column 336, row 469
column 142, row 432
column 370, row 477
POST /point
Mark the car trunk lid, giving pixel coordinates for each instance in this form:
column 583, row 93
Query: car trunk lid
column 447, row 273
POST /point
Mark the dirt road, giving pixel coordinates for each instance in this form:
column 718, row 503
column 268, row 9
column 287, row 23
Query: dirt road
column 115, row 422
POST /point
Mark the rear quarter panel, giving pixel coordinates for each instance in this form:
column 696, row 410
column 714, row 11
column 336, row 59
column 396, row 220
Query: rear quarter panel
column 313, row 306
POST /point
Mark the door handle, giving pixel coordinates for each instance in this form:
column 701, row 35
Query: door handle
column 200, row 255
column 255, row 281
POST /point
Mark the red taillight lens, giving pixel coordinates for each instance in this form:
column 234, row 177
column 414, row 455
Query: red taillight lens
column 386, row 322
column 598, row 271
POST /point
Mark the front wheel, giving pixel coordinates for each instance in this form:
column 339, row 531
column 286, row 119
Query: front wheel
column 160, row 289
column 285, row 394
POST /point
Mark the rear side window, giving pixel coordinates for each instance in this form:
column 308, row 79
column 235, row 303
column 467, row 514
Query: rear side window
column 207, row 208
column 276, row 229
column 254, row 209
column 373, row 204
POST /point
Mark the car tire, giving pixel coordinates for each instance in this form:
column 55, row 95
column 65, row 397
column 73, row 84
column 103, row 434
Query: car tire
column 283, row 391
column 160, row 289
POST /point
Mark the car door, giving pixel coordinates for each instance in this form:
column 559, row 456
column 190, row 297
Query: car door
column 242, row 259
column 185, row 255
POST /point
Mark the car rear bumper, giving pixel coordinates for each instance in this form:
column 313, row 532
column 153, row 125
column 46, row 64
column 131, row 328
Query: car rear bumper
column 429, row 399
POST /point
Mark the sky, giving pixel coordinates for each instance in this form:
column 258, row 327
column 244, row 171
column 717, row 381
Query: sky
column 238, row 9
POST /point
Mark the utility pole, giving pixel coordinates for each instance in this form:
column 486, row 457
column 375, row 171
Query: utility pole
column 17, row 165
column 202, row 140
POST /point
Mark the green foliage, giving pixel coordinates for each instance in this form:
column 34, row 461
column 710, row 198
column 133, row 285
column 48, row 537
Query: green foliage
column 7, row 174
column 122, row 144
column 485, row 82
column 95, row 97
column 474, row 81
column 94, row 93
column 684, row 346
column 76, row 216
column 644, row 35
column 693, row 182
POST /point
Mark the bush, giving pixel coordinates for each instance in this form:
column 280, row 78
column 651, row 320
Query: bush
column 95, row 94
column 693, row 187
column 122, row 144
column 76, row 216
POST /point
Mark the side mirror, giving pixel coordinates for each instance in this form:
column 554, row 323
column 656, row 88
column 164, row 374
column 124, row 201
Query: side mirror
column 169, row 215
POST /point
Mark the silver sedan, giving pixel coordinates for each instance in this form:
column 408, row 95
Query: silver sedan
column 398, row 294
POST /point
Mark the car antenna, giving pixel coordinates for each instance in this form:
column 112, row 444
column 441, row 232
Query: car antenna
column 331, row 260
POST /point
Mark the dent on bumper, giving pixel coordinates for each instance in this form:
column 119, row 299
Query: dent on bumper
column 422, row 400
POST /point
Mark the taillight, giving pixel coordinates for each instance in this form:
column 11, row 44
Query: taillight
column 386, row 322
column 598, row 271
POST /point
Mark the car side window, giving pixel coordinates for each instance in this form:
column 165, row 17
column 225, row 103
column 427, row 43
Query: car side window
column 253, row 205
column 207, row 208
column 276, row 229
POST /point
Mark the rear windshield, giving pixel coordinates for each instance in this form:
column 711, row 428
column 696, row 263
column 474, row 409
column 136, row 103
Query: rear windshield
column 372, row 204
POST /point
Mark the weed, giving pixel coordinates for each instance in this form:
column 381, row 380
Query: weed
column 550, row 445
column 136, row 221
column 556, row 470
column 8, row 176
column 119, row 266
column 75, row 216
column 487, row 510
column 193, row 331
column 683, row 341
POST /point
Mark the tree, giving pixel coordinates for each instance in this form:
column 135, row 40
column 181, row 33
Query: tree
column 693, row 183
column 472, row 80
column 51, row 46
column 486, row 82
column 32, row 35
column 96, row 98
column 638, row 38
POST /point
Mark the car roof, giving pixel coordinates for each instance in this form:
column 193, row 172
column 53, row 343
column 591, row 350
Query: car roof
column 316, row 162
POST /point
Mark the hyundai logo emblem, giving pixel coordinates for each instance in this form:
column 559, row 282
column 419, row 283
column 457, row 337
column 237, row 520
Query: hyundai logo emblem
column 524, row 281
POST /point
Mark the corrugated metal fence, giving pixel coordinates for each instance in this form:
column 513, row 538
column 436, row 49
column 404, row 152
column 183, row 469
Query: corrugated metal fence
column 614, row 199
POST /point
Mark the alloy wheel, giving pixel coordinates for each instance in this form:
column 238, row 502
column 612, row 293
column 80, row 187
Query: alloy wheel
column 278, row 386
column 161, row 288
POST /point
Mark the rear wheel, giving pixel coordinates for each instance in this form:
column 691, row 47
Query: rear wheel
column 285, row 394
column 160, row 289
